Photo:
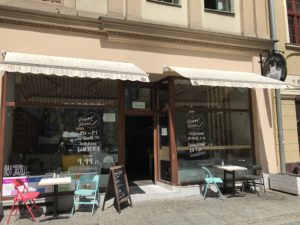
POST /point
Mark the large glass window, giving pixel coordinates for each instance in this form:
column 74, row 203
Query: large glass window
column 293, row 7
column 212, row 126
column 207, row 97
column 79, row 136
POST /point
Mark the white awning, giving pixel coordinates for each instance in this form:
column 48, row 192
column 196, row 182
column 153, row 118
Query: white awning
column 227, row 78
column 71, row 67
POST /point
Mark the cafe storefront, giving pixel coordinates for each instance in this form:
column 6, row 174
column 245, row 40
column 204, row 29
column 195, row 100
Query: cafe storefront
column 74, row 116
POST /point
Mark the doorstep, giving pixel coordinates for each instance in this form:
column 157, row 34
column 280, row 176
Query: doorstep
column 147, row 191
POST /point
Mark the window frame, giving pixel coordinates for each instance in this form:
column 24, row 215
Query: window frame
column 296, row 18
column 162, row 2
column 231, row 5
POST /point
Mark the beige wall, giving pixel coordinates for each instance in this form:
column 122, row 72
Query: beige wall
column 164, row 14
column 94, row 6
column 250, row 17
column 223, row 22
column 292, row 55
column 150, row 59
column 290, row 131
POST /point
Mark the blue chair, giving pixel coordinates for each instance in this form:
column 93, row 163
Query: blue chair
column 209, row 181
column 87, row 192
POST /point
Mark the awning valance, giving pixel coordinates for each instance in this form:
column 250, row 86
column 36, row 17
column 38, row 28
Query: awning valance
column 71, row 67
column 227, row 78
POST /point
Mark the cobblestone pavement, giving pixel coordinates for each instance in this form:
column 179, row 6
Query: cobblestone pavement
column 270, row 208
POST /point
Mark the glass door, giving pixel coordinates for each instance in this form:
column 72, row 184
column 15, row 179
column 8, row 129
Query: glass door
column 164, row 159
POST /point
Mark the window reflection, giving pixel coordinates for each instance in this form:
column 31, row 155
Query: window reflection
column 212, row 126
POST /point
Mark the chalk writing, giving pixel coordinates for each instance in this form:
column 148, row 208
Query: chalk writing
column 15, row 170
column 196, row 137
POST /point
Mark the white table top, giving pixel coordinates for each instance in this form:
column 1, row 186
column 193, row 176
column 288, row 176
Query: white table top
column 55, row 181
column 230, row 168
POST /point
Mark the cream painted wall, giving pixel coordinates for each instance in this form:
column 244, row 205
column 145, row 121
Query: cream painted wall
column 292, row 55
column 264, row 126
column 150, row 59
column 94, row 6
column 223, row 22
column 164, row 14
column 290, row 131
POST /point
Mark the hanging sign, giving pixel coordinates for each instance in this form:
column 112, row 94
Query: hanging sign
column 117, row 187
column 274, row 66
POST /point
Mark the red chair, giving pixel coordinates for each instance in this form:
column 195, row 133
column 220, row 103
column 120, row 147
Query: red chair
column 25, row 197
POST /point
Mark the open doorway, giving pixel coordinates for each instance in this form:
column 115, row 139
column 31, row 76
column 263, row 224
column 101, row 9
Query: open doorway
column 139, row 148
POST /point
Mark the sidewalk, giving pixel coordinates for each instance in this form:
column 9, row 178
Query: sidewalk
column 270, row 208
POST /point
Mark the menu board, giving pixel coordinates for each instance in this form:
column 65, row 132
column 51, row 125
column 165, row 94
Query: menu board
column 87, row 136
column 196, row 133
column 117, row 187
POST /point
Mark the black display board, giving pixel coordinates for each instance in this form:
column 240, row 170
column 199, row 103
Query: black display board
column 117, row 187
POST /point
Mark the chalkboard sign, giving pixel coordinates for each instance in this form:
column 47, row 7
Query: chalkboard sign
column 117, row 187
column 196, row 133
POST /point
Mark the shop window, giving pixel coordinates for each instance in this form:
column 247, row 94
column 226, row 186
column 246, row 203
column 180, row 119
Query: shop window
column 41, row 138
column 215, row 128
column 189, row 97
column 61, row 90
column 138, row 98
column 219, row 5
column 293, row 7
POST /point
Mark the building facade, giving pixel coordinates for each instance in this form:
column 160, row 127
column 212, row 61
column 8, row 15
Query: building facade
column 75, row 96
column 287, row 27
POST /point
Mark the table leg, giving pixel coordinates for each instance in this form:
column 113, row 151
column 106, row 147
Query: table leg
column 233, row 182
column 55, row 193
column 225, row 180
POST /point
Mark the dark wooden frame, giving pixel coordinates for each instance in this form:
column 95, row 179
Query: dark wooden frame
column 2, row 126
column 295, row 15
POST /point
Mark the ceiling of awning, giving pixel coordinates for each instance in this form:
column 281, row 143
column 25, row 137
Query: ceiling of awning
column 226, row 78
column 71, row 67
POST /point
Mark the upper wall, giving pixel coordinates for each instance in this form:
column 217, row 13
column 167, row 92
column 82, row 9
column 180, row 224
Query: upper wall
column 248, row 17
column 223, row 22
column 165, row 14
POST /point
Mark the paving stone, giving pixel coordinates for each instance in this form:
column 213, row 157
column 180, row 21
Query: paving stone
column 270, row 208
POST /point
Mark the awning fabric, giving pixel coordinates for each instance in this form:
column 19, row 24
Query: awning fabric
column 227, row 78
column 71, row 67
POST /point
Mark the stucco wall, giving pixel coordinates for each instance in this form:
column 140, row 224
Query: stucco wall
column 150, row 59
column 229, row 23
column 164, row 14
column 292, row 55
column 94, row 6
column 289, row 123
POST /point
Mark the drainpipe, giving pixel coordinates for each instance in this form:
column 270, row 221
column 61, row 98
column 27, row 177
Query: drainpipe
column 277, row 91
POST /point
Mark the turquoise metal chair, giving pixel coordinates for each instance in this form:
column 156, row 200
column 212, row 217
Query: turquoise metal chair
column 209, row 181
column 87, row 192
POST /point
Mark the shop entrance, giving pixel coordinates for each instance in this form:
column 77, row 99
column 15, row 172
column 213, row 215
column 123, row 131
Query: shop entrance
column 139, row 147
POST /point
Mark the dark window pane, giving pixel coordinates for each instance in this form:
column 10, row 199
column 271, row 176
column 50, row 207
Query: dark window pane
column 291, row 20
column 221, row 5
column 188, row 96
column 298, row 5
column 289, row 5
column 138, row 98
